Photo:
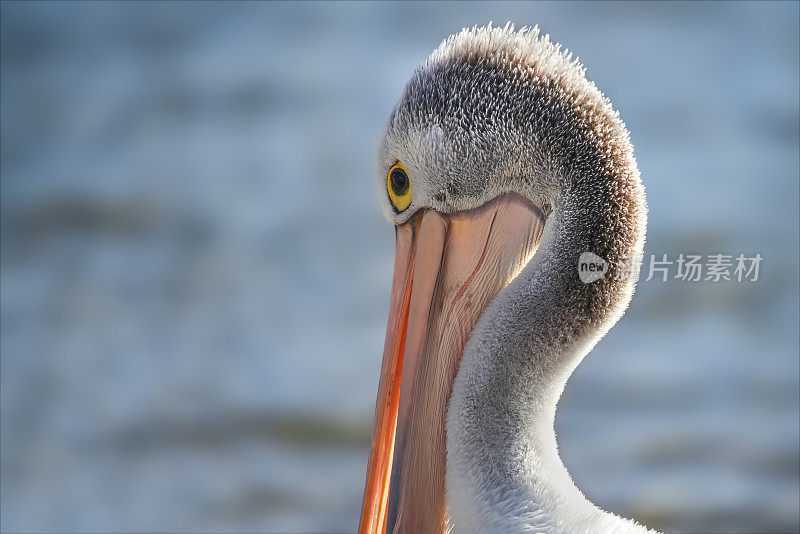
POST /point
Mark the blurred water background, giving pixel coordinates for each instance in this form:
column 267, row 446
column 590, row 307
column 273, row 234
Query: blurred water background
column 195, row 270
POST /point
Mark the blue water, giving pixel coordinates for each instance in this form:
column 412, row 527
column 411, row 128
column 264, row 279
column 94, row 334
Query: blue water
column 195, row 270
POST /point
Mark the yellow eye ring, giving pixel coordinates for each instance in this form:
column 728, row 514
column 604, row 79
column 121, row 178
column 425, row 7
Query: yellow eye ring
column 399, row 186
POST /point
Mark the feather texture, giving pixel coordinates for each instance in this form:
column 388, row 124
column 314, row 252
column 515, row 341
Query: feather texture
column 492, row 111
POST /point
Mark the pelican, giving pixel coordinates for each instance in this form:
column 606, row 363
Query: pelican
column 502, row 168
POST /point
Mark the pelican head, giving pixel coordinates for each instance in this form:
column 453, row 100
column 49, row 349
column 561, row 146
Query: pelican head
column 500, row 167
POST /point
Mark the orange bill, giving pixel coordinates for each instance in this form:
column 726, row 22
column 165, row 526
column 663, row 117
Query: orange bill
column 448, row 268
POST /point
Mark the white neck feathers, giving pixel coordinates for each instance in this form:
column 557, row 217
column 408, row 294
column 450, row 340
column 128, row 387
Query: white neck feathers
column 504, row 473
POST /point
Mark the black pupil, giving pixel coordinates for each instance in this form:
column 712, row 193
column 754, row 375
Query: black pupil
column 399, row 182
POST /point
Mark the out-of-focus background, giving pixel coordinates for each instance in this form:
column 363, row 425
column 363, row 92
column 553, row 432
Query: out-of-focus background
column 195, row 270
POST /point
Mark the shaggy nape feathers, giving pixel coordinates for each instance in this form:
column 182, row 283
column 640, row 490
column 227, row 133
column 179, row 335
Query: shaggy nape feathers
column 494, row 111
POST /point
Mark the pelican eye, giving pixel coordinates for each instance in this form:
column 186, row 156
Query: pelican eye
column 399, row 187
column 399, row 182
